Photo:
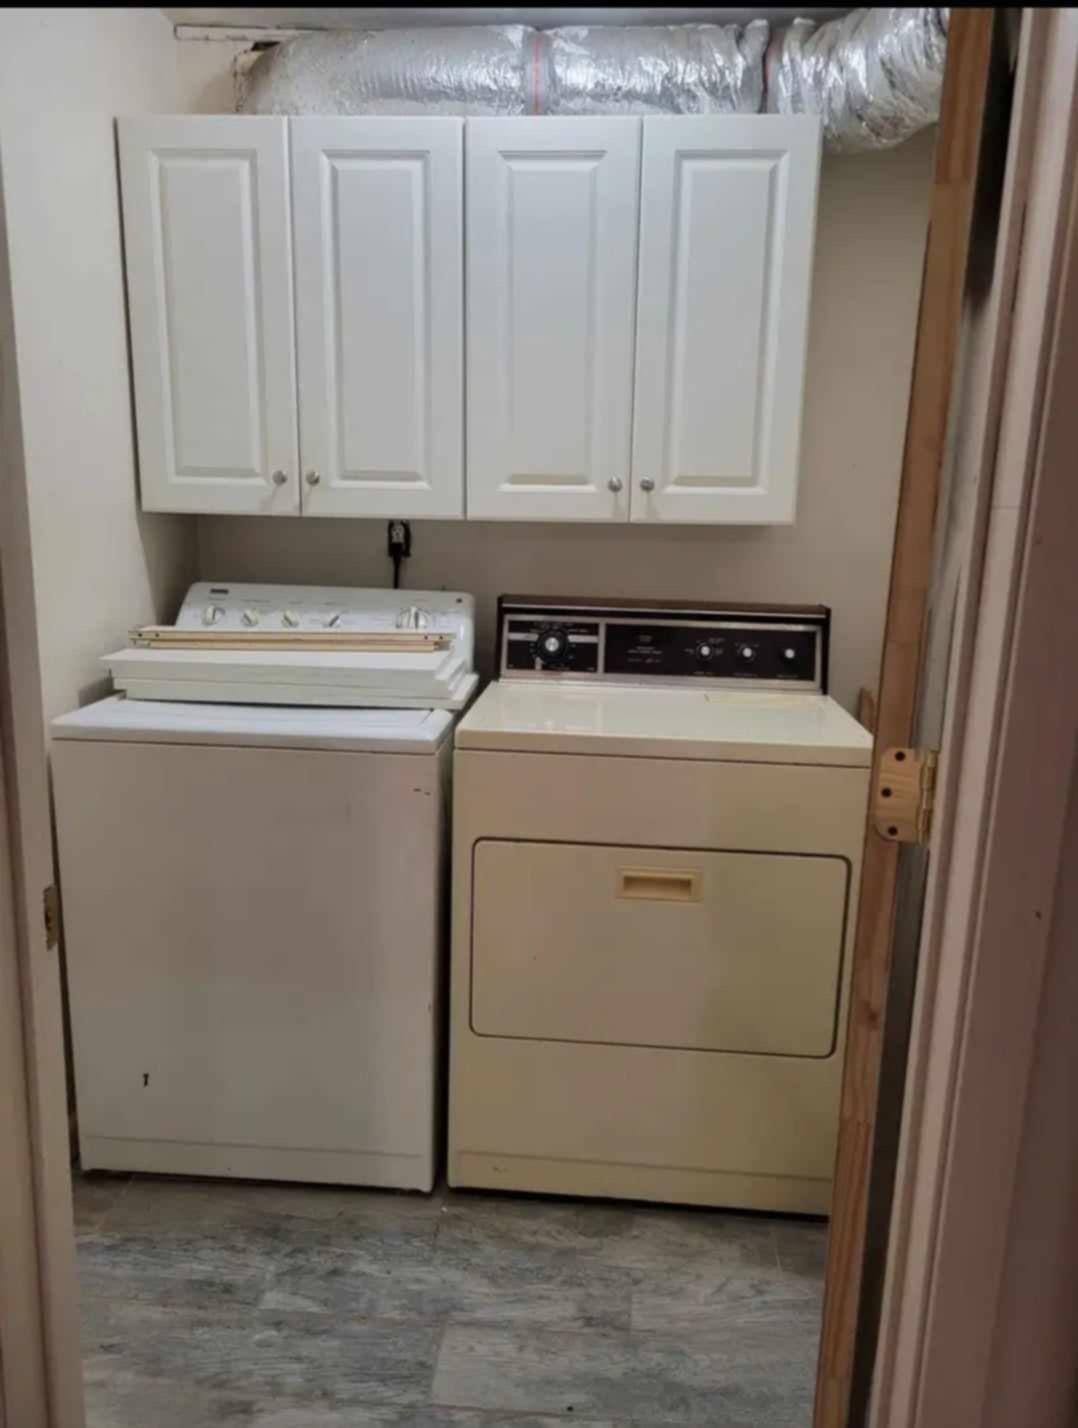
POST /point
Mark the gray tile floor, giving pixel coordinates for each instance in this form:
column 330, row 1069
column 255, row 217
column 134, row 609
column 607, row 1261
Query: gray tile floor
column 225, row 1304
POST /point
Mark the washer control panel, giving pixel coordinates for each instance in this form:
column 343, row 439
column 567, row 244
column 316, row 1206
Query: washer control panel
column 767, row 646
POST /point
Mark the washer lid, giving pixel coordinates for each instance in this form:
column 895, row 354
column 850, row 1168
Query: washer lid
column 161, row 722
column 742, row 726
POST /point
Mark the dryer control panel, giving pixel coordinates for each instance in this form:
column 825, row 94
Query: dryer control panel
column 632, row 642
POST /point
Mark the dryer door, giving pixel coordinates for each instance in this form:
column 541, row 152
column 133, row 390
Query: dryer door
column 678, row 948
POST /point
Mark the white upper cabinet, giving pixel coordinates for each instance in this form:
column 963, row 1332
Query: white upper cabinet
column 727, row 231
column 377, row 218
column 552, row 213
column 628, row 302
column 209, row 282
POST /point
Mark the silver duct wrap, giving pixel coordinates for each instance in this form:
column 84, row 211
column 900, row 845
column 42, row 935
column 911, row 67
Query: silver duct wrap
column 465, row 69
column 874, row 76
column 657, row 69
column 511, row 69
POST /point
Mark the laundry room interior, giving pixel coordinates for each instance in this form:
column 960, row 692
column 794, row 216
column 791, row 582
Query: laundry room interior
column 462, row 452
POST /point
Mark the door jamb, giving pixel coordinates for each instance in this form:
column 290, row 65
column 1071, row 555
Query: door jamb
column 989, row 918
column 30, row 866
column 958, row 145
column 23, row 1388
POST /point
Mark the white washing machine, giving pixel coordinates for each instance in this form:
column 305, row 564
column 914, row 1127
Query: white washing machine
column 658, row 821
column 254, row 893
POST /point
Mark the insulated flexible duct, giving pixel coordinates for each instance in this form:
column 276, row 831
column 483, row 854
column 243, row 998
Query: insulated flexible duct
column 510, row 69
column 466, row 69
column 874, row 76
column 656, row 69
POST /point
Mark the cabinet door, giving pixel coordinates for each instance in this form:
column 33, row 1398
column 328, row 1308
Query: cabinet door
column 728, row 224
column 552, row 209
column 378, row 207
column 209, row 286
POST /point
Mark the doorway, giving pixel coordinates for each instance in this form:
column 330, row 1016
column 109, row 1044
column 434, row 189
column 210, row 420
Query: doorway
column 416, row 1282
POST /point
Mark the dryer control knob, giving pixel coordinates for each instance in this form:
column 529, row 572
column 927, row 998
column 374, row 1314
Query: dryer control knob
column 250, row 617
column 413, row 618
column 552, row 645
column 291, row 619
column 705, row 651
column 746, row 653
column 211, row 614
column 332, row 621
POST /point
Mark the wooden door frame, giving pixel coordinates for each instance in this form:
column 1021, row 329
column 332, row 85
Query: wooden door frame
column 928, row 1361
column 989, row 912
column 42, row 1367
column 935, row 359
column 23, row 1382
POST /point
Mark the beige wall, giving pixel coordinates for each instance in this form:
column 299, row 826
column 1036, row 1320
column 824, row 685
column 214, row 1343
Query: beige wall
column 98, row 564
column 873, row 214
column 206, row 74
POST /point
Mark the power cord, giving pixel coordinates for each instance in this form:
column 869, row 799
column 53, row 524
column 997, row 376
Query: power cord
column 399, row 546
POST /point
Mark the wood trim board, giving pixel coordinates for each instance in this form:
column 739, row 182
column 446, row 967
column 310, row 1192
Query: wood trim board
column 1004, row 796
column 23, row 1385
column 22, row 722
column 935, row 357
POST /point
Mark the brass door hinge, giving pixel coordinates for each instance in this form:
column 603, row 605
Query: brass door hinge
column 51, row 902
column 904, row 794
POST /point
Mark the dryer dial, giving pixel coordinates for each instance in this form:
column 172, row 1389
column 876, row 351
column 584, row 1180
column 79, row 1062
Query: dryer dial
column 552, row 645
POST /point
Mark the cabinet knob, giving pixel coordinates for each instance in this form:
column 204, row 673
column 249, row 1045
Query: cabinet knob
column 312, row 478
column 279, row 478
column 647, row 484
column 614, row 484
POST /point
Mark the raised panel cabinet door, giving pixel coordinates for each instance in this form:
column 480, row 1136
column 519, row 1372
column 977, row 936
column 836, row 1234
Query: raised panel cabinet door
column 552, row 213
column 727, row 232
column 377, row 217
column 209, row 286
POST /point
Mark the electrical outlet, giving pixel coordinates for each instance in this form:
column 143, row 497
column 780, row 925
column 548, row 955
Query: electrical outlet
column 400, row 539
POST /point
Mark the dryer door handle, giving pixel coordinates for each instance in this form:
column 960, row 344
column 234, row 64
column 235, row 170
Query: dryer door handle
column 660, row 884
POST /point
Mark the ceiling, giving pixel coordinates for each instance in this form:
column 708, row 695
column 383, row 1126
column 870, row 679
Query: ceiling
column 367, row 17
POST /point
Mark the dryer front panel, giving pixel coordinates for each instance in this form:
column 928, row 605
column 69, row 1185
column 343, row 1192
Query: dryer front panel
column 689, row 949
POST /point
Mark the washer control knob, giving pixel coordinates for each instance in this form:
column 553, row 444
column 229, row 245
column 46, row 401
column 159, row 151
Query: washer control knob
column 746, row 654
column 552, row 645
column 250, row 617
column 705, row 651
column 211, row 614
column 789, row 654
column 332, row 621
column 413, row 618
column 290, row 619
